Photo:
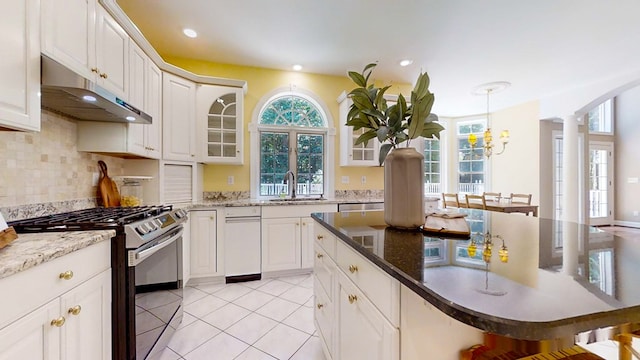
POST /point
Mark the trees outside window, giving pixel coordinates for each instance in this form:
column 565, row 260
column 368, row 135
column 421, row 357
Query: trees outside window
column 292, row 138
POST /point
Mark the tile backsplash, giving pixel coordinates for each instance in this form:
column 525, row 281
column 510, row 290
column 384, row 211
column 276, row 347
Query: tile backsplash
column 43, row 168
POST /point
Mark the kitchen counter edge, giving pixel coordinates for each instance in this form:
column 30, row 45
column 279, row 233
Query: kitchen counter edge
column 32, row 249
column 524, row 330
column 254, row 202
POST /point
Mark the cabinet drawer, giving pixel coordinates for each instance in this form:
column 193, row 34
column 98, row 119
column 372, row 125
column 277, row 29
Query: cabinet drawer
column 324, row 270
column 31, row 288
column 239, row 211
column 326, row 240
column 323, row 313
column 379, row 287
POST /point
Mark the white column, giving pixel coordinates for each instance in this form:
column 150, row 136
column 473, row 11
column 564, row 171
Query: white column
column 570, row 195
column 570, row 169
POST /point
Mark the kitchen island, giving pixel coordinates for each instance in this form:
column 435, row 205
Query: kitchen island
column 432, row 297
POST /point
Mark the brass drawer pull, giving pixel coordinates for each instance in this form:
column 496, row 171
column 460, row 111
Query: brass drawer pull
column 75, row 310
column 353, row 268
column 319, row 237
column 352, row 299
column 67, row 275
column 320, row 306
column 319, row 256
column 58, row 322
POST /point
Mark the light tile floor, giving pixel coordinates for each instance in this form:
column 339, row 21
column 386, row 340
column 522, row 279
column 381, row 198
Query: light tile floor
column 258, row 320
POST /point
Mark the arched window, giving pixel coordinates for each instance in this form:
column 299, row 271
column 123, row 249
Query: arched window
column 292, row 133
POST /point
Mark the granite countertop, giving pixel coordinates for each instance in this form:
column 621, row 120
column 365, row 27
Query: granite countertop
column 278, row 202
column 32, row 249
column 548, row 288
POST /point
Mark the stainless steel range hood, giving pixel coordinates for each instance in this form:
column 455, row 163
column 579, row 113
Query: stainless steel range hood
column 68, row 93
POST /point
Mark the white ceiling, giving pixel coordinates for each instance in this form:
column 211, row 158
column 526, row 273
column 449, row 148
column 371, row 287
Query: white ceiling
column 542, row 47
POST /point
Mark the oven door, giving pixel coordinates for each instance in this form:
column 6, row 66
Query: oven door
column 158, row 291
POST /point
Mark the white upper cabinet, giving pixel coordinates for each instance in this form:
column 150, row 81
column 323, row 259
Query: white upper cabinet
column 351, row 154
column 220, row 124
column 81, row 35
column 131, row 140
column 153, row 106
column 112, row 54
column 178, row 115
column 20, row 65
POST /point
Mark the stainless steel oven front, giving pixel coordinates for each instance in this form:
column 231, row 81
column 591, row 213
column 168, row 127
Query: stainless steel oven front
column 155, row 275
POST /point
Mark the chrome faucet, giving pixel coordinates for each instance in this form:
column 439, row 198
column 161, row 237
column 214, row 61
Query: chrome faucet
column 291, row 186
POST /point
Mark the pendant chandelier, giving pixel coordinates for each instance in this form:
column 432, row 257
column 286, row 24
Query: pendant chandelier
column 488, row 145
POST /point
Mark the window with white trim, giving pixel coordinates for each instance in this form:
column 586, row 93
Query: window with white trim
column 600, row 119
column 471, row 164
column 292, row 137
column 432, row 166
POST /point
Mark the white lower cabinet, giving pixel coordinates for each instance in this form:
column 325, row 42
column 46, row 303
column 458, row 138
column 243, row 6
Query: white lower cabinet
column 281, row 244
column 363, row 331
column 70, row 298
column 205, row 252
column 32, row 336
column 287, row 237
column 351, row 324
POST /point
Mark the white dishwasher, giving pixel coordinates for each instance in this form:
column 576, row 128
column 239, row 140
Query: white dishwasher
column 242, row 243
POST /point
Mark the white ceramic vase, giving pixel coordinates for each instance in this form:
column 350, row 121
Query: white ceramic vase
column 404, row 188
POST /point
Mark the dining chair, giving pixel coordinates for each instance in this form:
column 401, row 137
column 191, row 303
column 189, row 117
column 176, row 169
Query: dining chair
column 521, row 199
column 492, row 196
column 450, row 200
column 475, row 201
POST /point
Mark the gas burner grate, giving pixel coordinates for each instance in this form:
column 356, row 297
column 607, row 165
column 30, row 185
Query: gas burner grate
column 89, row 219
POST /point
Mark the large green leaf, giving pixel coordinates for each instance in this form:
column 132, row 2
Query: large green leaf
column 358, row 78
column 380, row 101
column 384, row 150
column 431, row 129
column 382, row 133
column 422, row 85
column 364, row 138
column 370, row 68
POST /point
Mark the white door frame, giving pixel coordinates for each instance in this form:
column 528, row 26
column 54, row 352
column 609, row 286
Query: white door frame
column 608, row 218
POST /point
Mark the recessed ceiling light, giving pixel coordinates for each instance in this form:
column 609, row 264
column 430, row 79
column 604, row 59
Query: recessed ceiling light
column 190, row 33
column 130, row 118
column 406, row 62
column 89, row 98
column 297, row 67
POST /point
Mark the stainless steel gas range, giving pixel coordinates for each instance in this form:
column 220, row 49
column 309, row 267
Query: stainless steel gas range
column 146, row 261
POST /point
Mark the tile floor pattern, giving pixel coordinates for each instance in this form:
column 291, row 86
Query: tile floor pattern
column 258, row 320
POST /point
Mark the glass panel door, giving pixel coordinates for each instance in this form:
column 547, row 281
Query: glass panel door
column 600, row 183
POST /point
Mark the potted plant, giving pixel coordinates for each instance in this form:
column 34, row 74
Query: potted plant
column 394, row 126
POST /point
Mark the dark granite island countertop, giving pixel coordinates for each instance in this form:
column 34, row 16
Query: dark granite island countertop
column 549, row 287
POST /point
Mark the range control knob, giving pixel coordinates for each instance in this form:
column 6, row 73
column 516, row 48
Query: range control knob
column 141, row 230
column 152, row 226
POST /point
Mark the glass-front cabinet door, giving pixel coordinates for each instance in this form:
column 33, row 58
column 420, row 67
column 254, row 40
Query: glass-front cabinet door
column 221, row 124
column 351, row 154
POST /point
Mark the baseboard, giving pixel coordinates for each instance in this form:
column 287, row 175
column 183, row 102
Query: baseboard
column 281, row 273
column 632, row 224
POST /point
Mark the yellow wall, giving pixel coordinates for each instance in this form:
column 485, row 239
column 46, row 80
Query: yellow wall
column 261, row 81
column 517, row 170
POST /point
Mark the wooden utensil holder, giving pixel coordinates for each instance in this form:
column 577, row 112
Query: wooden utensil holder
column 7, row 236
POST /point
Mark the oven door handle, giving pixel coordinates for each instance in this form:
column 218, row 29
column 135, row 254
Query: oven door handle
column 138, row 256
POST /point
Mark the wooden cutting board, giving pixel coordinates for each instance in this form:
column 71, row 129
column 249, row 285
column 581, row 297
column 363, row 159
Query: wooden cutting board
column 107, row 188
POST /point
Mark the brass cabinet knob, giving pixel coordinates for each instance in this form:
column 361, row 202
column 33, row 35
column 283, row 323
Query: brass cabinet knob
column 67, row 275
column 75, row 310
column 104, row 76
column 319, row 256
column 352, row 299
column 94, row 70
column 319, row 306
column 304, row 224
column 319, row 237
column 58, row 322
column 353, row 268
